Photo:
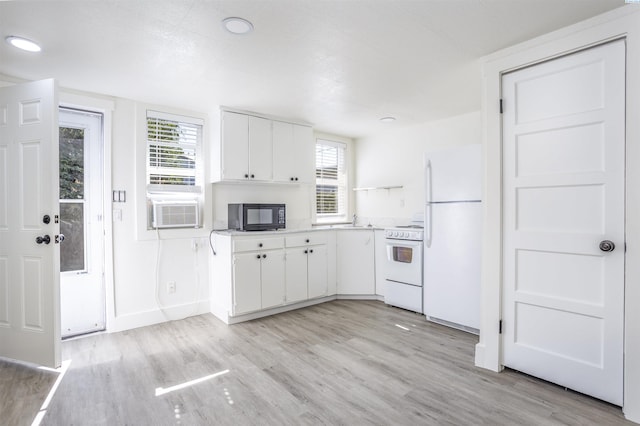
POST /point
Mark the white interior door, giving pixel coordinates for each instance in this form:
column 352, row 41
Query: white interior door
column 563, row 154
column 82, row 294
column 29, row 253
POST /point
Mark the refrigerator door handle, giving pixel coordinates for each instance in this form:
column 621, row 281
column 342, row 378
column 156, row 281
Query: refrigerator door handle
column 427, row 181
column 427, row 225
column 427, row 210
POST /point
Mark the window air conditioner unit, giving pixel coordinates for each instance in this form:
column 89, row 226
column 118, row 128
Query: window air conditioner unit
column 175, row 214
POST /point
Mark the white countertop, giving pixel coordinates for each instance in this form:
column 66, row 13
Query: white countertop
column 299, row 230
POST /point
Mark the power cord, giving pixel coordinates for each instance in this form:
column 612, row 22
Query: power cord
column 157, row 283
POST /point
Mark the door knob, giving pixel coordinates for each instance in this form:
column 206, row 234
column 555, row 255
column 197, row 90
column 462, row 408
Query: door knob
column 46, row 239
column 59, row 238
column 607, row 245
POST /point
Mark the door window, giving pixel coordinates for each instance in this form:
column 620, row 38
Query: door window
column 72, row 199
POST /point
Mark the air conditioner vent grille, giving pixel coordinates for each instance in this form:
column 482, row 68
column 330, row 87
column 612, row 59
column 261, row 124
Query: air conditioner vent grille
column 172, row 214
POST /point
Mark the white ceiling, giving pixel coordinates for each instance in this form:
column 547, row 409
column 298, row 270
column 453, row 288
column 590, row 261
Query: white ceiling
column 340, row 65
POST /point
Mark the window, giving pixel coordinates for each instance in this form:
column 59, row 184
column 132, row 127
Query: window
column 173, row 145
column 331, row 180
column 174, row 172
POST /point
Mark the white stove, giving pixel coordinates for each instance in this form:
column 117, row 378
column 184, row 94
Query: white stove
column 403, row 268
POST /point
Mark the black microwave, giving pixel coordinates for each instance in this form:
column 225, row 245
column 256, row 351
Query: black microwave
column 256, row 217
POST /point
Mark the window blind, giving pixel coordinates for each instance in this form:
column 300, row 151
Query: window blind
column 331, row 180
column 172, row 152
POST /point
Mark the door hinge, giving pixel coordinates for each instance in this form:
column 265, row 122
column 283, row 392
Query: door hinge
column 500, row 327
column 501, row 110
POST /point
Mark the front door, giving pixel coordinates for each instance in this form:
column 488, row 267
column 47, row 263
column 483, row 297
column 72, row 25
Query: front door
column 81, row 255
column 564, row 176
column 29, row 228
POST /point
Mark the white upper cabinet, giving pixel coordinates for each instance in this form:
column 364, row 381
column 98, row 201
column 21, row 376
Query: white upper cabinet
column 260, row 149
column 235, row 146
column 247, row 147
column 255, row 148
column 292, row 153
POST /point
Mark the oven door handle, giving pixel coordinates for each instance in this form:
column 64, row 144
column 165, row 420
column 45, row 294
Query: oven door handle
column 390, row 252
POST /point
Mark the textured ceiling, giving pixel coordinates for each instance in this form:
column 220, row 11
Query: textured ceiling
column 340, row 65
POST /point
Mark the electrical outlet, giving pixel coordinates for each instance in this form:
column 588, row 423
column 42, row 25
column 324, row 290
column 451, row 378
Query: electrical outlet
column 171, row 287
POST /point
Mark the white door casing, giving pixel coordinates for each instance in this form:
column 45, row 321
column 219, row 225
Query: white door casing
column 29, row 272
column 563, row 186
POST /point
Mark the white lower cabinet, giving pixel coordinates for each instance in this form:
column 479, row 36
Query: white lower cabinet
column 355, row 262
column 258, row 280
column 380, row 261
column 317, row 271
column 247, row 293
column 306, row 266
column 296, row 275
column 253, row 274
column 272, row 277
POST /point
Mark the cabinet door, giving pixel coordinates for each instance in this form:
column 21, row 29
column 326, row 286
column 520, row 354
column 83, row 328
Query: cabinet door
column 235, row 145
column 317, row 271
column 260, row 149
column 296, row 279
column 304, row 154
column 284, row 157
column 381, row 261
column 272, row 275
column 247, row 295
column 355, row 260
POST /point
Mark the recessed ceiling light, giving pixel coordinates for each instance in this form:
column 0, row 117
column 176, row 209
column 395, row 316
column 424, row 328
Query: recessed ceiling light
column 387, row 119
column 237, row 25
column 23, row 43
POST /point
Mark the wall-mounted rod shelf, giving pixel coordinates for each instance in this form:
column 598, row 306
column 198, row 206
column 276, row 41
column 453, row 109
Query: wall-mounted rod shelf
column 376, row 188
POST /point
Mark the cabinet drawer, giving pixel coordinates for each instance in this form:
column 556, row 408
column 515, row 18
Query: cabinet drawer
column 312, row 238
column 255, row 244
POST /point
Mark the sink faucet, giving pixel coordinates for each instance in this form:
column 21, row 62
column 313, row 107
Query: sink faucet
column 353, row 222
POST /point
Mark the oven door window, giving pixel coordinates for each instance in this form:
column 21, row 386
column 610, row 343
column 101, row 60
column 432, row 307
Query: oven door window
column 402, row 254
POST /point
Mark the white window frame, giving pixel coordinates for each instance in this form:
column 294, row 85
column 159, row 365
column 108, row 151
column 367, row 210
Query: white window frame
column 145, row 194
column 196, row 188
column 342, row 184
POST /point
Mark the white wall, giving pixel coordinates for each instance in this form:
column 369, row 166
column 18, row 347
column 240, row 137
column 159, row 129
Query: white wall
column 622, row 22
column 299, row 198
column 395, row 157
column 131, row 282
column 140, row 260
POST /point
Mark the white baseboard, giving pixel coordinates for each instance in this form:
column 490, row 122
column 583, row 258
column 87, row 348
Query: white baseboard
column 156, row 316
column 358, row 297
column 479, row 360
column 224, row 316
column 177, row 312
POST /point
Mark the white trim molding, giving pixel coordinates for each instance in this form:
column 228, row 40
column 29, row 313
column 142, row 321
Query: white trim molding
column 623, row 22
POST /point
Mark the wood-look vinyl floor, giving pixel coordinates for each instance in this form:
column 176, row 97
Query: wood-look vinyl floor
column 338, row 363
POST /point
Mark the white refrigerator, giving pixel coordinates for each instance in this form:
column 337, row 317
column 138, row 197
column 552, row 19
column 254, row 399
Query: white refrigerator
column 453, row 233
